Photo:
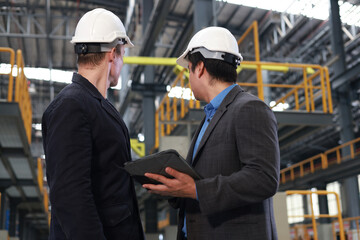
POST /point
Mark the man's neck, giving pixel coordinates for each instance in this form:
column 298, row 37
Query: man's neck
column 216, row 88
column 97, row 76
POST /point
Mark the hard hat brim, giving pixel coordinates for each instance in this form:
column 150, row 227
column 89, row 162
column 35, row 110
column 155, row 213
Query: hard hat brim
column 182, row 61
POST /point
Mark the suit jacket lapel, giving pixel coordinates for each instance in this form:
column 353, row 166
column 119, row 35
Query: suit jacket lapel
column 208, row 131
column 219, row 113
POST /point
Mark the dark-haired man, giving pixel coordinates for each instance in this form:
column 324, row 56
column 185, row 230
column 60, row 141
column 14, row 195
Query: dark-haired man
column 235, row 150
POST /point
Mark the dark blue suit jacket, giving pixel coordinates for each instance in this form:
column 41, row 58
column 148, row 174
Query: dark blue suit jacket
column 239, row 159
column 86, row 144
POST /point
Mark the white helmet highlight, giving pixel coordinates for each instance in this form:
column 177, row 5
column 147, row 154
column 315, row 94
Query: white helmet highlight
column 99, row 30
column 213, row 43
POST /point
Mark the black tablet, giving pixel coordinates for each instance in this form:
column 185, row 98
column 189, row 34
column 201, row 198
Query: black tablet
column 156, row 163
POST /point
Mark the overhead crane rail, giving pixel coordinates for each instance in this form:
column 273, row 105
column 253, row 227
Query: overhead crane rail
column 321, row 161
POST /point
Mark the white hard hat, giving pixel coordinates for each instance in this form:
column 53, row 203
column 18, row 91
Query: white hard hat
column 98, row 31
column 213, row 43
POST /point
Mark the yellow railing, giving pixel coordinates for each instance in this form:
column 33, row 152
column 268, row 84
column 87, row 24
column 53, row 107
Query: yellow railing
column 349, row 221
column 137, row 147
column 19, row 93
column 312, row 214
column 315, row 85
column 172, row 108
column 321, row 161
column 43, row 191
column 301, row 231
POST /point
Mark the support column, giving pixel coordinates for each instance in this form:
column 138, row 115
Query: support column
column 203, row 14
column 13, row 216
column 306, row 208
column 267, row 90
column 323, row 204
column 150, row 205
column 151, row 215
column 3, row 207
column 22, row 223
column 350, row 185
column 148, row 97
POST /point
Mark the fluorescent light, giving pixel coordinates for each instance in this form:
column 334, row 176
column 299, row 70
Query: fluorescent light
column 318, row 9
column 179, row 92
column 45, row 74
column 279, row 107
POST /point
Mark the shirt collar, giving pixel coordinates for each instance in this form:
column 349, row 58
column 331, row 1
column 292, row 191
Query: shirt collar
column 215, row 103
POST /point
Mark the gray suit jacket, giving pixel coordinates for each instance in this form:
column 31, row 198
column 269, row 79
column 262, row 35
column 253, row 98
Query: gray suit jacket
column 239, row 159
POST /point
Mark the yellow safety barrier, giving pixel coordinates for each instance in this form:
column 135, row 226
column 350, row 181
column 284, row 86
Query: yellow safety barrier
column 19, row 93
column 320, row 161
column 301, row 231
column 349, row 221
column 165, row 222
column 313, row 216
column 43, row 190
column 40, row 175
column 137, row 147
column 22, row 95
column 315, row 85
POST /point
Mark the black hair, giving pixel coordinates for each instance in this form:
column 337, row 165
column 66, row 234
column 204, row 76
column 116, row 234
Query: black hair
column 218, row 69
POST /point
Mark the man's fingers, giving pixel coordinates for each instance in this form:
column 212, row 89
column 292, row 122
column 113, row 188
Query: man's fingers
column 156, row 177
column 174, row 173
column 155, row 187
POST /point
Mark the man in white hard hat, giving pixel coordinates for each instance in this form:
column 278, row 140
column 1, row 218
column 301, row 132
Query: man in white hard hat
column 235, row 150
column 86, row 141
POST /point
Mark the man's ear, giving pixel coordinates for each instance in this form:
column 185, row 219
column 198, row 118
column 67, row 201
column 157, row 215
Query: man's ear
column 200, row 69
column 112, row 54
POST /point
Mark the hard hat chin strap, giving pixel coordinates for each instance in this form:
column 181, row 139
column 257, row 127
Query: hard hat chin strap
column 84, row 48
column 226, row 57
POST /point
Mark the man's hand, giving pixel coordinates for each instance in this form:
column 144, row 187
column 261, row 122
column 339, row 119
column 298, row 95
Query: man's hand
column 181, row 186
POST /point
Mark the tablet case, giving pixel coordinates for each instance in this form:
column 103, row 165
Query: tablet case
column 156, row 163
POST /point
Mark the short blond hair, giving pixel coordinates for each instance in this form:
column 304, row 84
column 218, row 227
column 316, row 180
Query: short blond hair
column 94, row 59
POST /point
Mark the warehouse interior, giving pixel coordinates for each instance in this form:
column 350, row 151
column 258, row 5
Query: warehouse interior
column 301, row 57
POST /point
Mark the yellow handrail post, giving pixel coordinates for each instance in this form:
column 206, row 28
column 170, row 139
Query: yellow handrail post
column 313, row 220
column 156, row 129
column 341, row 225
column 296, row 96
column 338, row 156
column 40, row 176
column 312, row 101
column 324, row 161
column 168, row 111
column 323, row 90
column 306, row 90
column 182, row 113
column 162, row 119
column 257, row 59
column 352, row 153
column 328, row 87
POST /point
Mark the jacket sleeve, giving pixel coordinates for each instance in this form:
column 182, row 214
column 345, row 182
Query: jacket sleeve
column 258, row 151
column 68, row 149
